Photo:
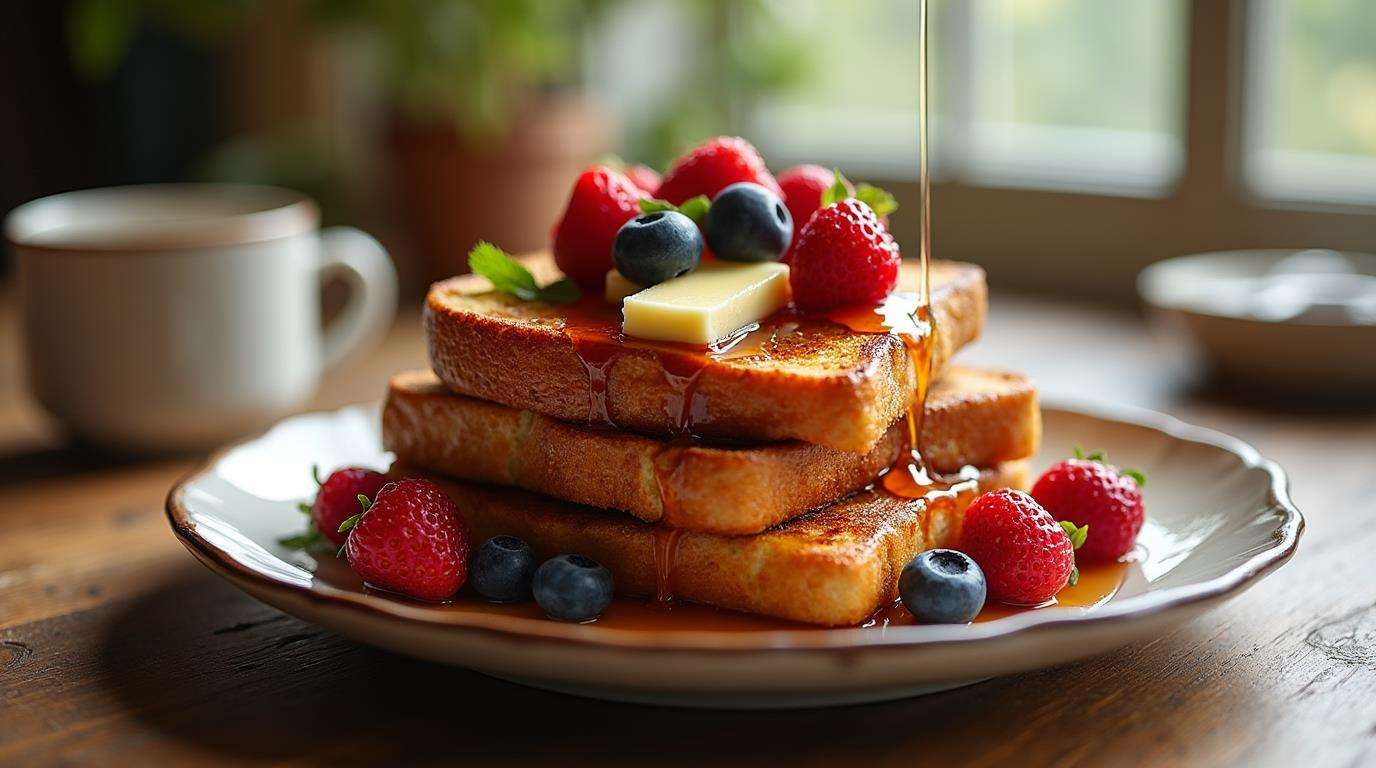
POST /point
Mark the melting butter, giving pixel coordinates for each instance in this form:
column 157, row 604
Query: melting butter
column 706, row 305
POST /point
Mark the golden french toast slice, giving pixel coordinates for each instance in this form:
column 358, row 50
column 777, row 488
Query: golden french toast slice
column 810, row 380
column 972, row 417
column 834, row 566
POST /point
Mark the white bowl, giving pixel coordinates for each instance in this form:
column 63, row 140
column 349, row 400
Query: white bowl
column 1274, row 321
column 1219, row 519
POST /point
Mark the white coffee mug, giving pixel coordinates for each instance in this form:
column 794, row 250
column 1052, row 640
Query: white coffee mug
column 169, row 317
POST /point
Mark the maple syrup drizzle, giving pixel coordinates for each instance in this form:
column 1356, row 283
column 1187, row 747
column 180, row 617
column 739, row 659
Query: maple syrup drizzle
column 666, row 545
column 908, row 316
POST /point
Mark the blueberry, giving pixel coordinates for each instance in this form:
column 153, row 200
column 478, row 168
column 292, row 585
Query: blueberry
column 502, row 568
column 652, row 248
column 748, row 223
column 573, row 588
column 942, row 586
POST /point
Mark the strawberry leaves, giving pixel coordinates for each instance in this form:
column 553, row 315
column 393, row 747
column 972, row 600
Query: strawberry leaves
column 838, row 191
column 1137, row 476
column 1078, row 535
column 510, row 276
column 880, row 201
column 311, row 537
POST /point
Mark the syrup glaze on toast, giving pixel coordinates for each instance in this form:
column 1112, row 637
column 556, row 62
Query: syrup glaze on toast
column 972, row 417
column 792, row 378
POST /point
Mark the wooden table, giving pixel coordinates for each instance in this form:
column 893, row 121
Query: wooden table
column 117, row 648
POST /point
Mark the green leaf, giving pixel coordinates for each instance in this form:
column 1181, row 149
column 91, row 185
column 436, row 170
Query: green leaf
column 510, row 276
column 365, row 502
column 838, row 191
column 1135, row 475
column 348, row 525
column 562, row 291
column 302, row 541
column 1074, row 577
column 505, row 273
column 878, row 199
column 1096, row 456
column 1077, row 534
column 315, row 474
column 651, row 205
column 303, row 508
column 694, row 208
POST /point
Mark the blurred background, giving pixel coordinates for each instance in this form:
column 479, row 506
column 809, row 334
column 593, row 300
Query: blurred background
column 1075, row 141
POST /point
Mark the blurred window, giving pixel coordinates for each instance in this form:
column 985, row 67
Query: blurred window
column 1076, row 94
column 1083, row 94
column 1310, row 127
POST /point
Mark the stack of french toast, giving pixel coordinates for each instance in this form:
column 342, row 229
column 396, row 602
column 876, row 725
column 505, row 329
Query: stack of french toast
column 747, row 476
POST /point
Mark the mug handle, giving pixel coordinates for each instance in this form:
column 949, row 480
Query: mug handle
column 362, row 261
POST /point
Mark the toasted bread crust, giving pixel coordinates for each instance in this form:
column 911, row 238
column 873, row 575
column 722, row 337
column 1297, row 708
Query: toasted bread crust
column 835, row 566
column 820, row 384
column 973, row 417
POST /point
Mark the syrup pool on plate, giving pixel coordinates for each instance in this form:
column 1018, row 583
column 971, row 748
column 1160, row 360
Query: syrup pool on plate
column 1098, row 585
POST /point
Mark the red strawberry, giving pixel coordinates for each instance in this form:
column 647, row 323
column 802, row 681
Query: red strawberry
column 1026, row 556
column 712, row 166
column 645, row 177
column 411, row 540
column 803, row 186
column 337, row 499
column 843, row 256
column 602, row 200
column 1099, row 495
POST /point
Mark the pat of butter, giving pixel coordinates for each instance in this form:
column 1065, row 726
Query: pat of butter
column 707, row 304
column 618, row 287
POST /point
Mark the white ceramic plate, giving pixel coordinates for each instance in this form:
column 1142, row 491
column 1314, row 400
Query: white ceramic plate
column 1219, row 519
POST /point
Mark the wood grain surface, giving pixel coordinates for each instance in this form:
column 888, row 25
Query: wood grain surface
column 116, row 648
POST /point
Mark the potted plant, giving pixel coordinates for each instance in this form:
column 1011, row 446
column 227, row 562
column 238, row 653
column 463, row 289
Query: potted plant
column 487, row 123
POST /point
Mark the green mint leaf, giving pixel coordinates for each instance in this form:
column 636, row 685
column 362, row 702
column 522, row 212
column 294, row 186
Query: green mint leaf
column 877, row 199
column 838, row 190
column 510, row 276
column 315, row 474
column 563, row 291
column 1135, row 475
column 505, row 273
column 695, row 208
column 651, row 205
column 348, row 525
column 1074, row 577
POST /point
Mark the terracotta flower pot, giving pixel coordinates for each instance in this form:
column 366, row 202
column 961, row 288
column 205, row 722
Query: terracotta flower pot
column 451, row 191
